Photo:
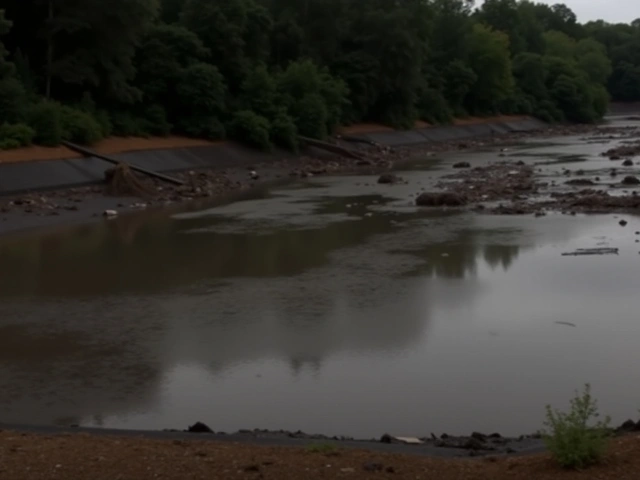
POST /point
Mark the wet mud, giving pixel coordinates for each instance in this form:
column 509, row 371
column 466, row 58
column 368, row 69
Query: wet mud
column 512, row 187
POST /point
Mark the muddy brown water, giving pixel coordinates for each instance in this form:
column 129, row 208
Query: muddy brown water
column 330, row 306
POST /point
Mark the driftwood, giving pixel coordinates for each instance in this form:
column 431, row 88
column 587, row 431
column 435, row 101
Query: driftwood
column 90, row 153
column 330, row 147
column 568, row 324
column 593, row 251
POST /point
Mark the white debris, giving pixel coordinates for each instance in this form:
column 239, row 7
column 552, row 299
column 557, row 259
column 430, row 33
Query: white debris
column 110, row 213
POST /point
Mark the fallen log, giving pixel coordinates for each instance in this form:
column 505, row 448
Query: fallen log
column 330, row 147
column 90, row 153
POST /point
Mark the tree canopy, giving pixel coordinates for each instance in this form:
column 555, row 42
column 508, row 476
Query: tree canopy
column 264, row 71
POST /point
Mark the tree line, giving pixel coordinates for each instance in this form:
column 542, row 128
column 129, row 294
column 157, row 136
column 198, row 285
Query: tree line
column 265, row 71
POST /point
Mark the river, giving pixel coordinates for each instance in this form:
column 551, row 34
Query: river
column 330, row 305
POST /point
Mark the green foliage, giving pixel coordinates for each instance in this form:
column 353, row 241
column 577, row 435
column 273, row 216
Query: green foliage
column 259, row 92
column 13, row 98
column 45, row 118
column 79, row 127
column 491, row 62
column 155, row 121
column 251, row 129
column 433, row 108
column 311, row 116
column 284, row 132
column 126, row 124
column 155, row 67
column 13, row 135
column 313, row 97
column 9, row 144
column 322, row 448
column 571, row 439
column 200, row 100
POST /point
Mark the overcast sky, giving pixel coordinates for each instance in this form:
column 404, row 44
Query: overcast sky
column 613, row 11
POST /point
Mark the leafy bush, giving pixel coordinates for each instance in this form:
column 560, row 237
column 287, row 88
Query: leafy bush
column 201, row 126
column 433, row 108
column 79, row 126
column 156, row 122
column 45, row 119
column 18, row 133
column 570, row 439
column 128, row 125
column 251, row 129
column 102, row 117
column 9, row 143
column 284, row 132
column 310, row 115
column 13, row 98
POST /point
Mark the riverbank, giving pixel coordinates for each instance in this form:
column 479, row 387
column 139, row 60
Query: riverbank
column 76, row 456
column 229, row 170
column 569, row 186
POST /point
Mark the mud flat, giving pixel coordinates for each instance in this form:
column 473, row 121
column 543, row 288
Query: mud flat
column 513, row 186
column 31, row 194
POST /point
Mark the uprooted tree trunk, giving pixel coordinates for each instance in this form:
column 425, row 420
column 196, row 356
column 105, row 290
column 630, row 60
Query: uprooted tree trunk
column 122, row 181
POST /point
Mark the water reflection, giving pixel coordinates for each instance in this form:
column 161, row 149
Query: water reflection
column 357, row 313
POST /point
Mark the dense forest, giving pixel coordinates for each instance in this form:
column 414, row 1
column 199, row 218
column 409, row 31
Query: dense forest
column 265, row 71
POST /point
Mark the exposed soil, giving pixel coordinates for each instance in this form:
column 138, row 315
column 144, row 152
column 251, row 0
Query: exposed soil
column 219, row 183
column 78, row 456
column 107, row 146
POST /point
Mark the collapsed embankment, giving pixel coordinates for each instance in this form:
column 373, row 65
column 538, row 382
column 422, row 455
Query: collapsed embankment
column 46, row 193
column 18, row 176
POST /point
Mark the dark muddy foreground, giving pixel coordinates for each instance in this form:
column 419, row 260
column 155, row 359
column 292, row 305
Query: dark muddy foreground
column 475, row 445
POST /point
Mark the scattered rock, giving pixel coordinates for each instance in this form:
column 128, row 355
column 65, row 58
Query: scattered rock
column 630, row 180
column 373, row 467
column 623, row 223
column 441, row 199
column 627, row 163
column 579, row 181
column 389, row 178
column 199, row 427
column 462, row 165
column 629, row 426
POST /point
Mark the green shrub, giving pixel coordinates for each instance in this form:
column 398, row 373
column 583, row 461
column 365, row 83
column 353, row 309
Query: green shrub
column 570, row 439
column 213, row 129
column 45, row 119
column 102, row 117
column 125, row 124
column 284, row 132
column 19, row 132
column 311, row 116
column 9, row 143
column 251, row 129
column 79, row 126
column 156, row 122
column 201, row 126
column 433, row 107
column 13, row 99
